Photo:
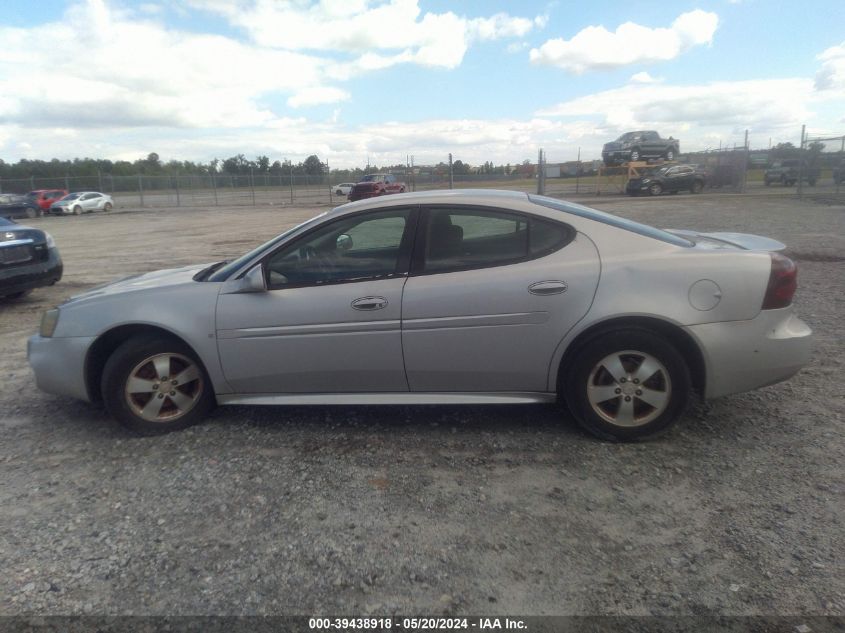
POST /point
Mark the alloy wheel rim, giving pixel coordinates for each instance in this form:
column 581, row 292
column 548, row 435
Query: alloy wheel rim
column 629, row 388
column 163, row 387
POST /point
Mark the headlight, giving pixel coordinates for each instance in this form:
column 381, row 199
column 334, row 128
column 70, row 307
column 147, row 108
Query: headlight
column 51, row 243
column 49, row 321
column 646, row 180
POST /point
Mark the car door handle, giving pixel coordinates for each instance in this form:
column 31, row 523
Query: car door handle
column 369, row 303
column 548, row 288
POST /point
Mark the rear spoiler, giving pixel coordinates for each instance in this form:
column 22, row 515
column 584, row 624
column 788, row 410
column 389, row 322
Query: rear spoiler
column 744, row 241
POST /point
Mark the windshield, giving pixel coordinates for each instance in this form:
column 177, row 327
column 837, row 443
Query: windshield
column 627, row 136
column 71, row 196
column 612, row 220
column 223, row 273
column 371, row 178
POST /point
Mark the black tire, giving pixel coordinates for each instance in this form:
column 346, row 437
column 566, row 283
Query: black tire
column 655, row 189
column 129, row 359
column 697, row 187
column 77, row 210
column 585, row 372
column 635, row 155
column 16, row 295
column 31, row 213
column 107, row 206
column 670, row 154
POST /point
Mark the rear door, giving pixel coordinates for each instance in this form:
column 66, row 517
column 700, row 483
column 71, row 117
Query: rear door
column 491, row 294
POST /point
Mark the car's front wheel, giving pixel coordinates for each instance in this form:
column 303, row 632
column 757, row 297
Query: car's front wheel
column 627, row 384
column 77, row 210
column 635, row 155
column 154, row 384
column 655, row 188
column 107, row 206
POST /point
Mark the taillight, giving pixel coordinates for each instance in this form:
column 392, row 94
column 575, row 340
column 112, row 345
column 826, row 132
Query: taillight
column 783, row 280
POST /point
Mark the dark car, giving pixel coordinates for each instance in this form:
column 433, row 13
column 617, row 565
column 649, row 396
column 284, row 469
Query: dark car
column 28, row 259
column 635, row 146
column 672, row 178
column 13, row 205
column 787, row 172
column 45, row 197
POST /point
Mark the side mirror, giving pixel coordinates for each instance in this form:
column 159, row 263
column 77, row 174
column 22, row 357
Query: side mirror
column 253, row 281
column 343, row 242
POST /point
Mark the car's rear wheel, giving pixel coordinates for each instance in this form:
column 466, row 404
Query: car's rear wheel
column 627, row 384
column 697, row 187
column 655, row 188
column 154, row 384
column 30, row 212
column 15, row 295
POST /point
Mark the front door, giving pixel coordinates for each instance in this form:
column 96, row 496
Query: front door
column 490, row 297
column 330, row 320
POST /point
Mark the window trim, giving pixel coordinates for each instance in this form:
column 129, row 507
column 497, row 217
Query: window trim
column 403, row 260
column 417, row 268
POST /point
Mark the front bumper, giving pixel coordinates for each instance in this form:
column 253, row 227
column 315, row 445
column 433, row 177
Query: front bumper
column 34, row 274
column 616, row 156
column 634, row 187
column 745, row 355
column 61, row 210
column 360, row 195
column 59, row 364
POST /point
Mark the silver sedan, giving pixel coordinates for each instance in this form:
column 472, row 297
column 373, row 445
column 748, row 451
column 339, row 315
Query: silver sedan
column 440, row 298
column 82, row 202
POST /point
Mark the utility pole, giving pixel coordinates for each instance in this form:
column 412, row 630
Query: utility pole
column 745, row 165
column 578, row 171
column 451, row 178
column 801, row 163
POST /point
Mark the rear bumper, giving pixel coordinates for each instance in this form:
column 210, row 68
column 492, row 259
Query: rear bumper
column 59, row 364
column 745, row 355
column 31, row 275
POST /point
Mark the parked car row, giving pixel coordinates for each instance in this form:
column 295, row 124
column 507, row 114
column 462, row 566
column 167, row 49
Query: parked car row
column 53, row 201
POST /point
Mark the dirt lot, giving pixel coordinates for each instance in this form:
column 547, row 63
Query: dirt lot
column 427, row 510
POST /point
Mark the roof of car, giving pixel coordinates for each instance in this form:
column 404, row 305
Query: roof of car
column 463, row 196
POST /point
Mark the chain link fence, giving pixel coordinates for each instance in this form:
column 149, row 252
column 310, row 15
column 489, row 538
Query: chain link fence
column 732, row 170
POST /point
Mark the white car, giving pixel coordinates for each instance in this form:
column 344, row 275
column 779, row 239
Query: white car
column 82, row 201
column 343, row 188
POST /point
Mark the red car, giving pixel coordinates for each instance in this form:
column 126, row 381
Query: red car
column 45, row 197
column 373, row 185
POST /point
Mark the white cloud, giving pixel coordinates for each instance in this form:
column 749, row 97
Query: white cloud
column 644, row 78
column 596, row 48
column 317, row 95
column 392, row 32
column 768, row 102
column 831, row 75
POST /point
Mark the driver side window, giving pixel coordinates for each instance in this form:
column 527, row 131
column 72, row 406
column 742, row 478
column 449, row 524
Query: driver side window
column 352, row 248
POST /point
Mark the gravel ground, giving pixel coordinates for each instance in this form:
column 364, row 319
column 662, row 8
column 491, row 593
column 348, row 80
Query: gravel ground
column 427, row 510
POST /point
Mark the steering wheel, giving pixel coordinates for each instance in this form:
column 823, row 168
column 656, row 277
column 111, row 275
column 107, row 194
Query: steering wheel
column 310, row 254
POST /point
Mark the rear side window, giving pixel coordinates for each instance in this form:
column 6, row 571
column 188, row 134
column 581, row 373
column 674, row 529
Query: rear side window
column 461, row 239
